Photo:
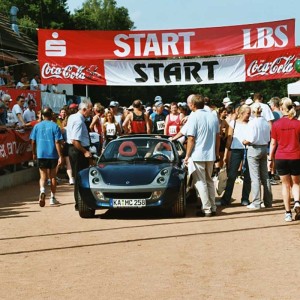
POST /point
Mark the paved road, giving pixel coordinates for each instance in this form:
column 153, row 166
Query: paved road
column 51, row 253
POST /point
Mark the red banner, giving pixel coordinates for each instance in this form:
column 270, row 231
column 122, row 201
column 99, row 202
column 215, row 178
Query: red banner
column 28, row 94
column 61, row 45
column 15, row 147
column 273, row 65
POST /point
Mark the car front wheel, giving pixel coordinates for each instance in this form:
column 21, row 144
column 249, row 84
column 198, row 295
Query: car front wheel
column 179, row 207
column 83, row 209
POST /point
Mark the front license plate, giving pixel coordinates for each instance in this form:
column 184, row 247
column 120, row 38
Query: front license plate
column 128, row 202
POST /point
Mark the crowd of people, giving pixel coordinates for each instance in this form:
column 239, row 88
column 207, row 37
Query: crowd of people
column 258, row 143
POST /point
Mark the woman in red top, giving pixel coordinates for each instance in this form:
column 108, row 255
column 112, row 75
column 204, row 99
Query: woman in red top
column 285, row 148
column 173, row 121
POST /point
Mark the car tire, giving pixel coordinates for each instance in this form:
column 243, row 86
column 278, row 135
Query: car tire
column 178, row 209
column 83, row 210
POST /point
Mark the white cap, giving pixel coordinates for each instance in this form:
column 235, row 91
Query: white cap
column 249, row 101
column 227, row 103
column 296, row 103
column 226, row 100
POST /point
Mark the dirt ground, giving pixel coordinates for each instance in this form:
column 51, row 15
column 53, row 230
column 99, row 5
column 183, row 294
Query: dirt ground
column 51, row 253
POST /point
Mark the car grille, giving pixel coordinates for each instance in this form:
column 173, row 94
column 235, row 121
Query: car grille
column 128, row 195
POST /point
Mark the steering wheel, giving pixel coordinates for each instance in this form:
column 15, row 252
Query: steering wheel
column 161, row 155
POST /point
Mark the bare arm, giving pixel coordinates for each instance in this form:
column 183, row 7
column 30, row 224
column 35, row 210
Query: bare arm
column 189, row 148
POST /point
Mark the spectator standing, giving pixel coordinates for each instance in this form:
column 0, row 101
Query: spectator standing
column 202, row 150
column 96, row 131
column 78, row 140
column 2, row 114
column 265, row 109
column 285, row 148
column 29, row 113
column 257, row 138
column 17, row 111
column 274, row 105
column 34, row 83
column 22, row 84
column 46, row 148
column 234, row 155
column 5, row 100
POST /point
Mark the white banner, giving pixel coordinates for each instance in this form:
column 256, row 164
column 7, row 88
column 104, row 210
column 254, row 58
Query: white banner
column 175, row 72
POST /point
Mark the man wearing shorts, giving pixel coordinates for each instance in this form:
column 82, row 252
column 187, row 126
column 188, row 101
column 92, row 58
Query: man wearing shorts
column 46, row 140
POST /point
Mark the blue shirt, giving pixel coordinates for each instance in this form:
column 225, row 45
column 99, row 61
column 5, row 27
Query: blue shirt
column 45, row 134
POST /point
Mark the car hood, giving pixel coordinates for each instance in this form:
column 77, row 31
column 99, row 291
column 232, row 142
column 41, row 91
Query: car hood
column 136, row 174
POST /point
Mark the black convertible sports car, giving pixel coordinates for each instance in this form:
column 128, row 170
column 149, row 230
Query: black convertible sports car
column 137, row 171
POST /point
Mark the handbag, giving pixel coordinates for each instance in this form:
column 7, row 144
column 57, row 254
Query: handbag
column 221, row 180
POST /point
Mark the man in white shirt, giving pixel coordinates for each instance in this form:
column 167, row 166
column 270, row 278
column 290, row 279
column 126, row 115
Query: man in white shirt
column 202, row 150
column 29, row 114
column 17, row 111
column 34, row 83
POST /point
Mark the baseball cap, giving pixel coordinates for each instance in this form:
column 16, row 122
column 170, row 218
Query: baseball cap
column 297, row 103
column 73, row 105
column 158, row 104
column 158, row 98
column 113, row 103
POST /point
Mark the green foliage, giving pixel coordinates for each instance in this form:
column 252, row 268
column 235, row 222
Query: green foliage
column 102, row 15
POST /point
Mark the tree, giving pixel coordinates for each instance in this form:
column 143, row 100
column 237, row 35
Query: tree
column 102, row 15
column 39, row 14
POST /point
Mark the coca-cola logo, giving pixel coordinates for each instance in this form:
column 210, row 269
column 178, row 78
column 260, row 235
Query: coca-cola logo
column 67, row 72
column 280, row 65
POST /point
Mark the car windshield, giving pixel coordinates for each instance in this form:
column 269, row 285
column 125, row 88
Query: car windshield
column 139, row 149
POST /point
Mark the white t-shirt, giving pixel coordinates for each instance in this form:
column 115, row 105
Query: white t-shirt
column 29, row 115
column 15, row 111
column 258, row 131
column 34, row 85
column 239, row 134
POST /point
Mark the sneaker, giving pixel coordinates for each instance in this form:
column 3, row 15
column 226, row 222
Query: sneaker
column 245, row 202
column 273, row 181
column 288, row 217
column 297, row 211
column 254, row 206
column 42, row 198
column 71, row 181
column 53, row 201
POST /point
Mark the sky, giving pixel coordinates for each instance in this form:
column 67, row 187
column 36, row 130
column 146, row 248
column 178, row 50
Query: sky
column 180, row 14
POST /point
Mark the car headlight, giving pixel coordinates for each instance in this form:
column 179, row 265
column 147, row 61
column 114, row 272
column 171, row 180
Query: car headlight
column 99, row 195
column 156, row 195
